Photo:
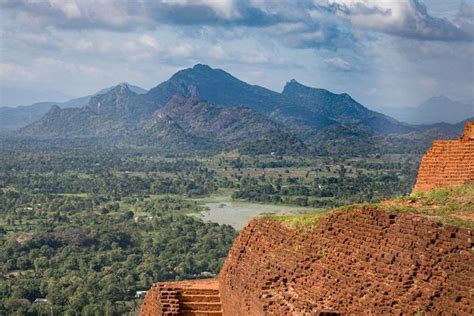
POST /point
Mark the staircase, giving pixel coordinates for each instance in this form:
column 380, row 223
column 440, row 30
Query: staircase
column 200, row 302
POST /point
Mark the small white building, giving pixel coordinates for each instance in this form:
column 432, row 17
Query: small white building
column 205, row 274
column 145, row 218
column 40, row 301
column 140, row 294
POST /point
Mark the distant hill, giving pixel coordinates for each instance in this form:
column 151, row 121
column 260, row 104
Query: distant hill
column 112, row 113
column 122, row 103
column 434, row 110
column 202, row 108
column 183, row 123
column 59, row 122
column 229, row 125
column 319, row 108
column 218, row 86
column 298, row 106
column 12, row 118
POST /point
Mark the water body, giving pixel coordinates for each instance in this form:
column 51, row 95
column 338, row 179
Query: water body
column 223, row 210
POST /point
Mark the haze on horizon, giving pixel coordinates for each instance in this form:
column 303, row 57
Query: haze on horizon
column 383, row 53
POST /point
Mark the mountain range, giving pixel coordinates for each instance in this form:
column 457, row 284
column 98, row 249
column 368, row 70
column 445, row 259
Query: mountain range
column 434, row 110
column 202, row 108
column 12, row 118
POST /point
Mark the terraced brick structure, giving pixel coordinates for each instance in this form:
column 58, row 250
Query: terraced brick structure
column 403, row 258
column 448, row 162
column 360, row 262
column 197, row 297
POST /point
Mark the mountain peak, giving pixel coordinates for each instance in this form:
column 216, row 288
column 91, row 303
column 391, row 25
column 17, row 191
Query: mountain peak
column 123, row 86
column 293, row 86
column 292, row 82
column 202, row 67
column 440, row 97
column 122, row 89
column 215, row 85
column 441, row 101
column 54, row 108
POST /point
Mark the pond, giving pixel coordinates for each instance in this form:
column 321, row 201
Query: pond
column 222, row 209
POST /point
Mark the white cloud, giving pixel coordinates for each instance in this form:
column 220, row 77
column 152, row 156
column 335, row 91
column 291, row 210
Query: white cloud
column 338, row 63
column 58, row 65
column 83, row 44
column 149, row 41
column 93, row 44
column 224, row 8
column 183, row 50
column 13, row 74
column 255, row 57
column 217, row 52
column 68, row 7
column 406, row 18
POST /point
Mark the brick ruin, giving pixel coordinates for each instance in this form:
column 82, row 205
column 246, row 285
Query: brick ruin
column 363, row 261
column 360, row 262
column 448, row 162
column 197, row 297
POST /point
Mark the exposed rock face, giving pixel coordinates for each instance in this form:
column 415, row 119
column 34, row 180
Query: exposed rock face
column 448, row 162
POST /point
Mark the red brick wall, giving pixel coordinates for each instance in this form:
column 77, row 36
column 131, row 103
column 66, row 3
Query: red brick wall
column 448, row 163
column 468, row 131
column 364, row 261
column 152, row 302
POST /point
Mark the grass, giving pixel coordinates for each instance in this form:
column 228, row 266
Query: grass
column 462, row 197
column 298, row 221
column 453, row 206
column 448, row 206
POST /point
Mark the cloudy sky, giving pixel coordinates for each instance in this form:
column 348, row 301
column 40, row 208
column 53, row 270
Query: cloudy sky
column 383, row 52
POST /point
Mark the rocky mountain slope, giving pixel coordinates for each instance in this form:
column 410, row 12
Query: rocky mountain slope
column 226, row 124
column 112, row 114
column 211, row 109
column 315, row 108
column 217, row 86
column 297, row 106
column 434, row 110
column 12, row 118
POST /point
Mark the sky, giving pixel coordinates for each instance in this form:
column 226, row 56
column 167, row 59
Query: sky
column 384, row 53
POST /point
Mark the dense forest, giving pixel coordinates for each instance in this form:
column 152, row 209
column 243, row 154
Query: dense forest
column 82, row 232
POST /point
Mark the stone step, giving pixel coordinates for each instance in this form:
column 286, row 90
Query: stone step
column 200, row 292
column 199, row 313
column 200, row 298
column 203, row 306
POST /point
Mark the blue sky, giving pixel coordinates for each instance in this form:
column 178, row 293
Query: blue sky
column 384, row 53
